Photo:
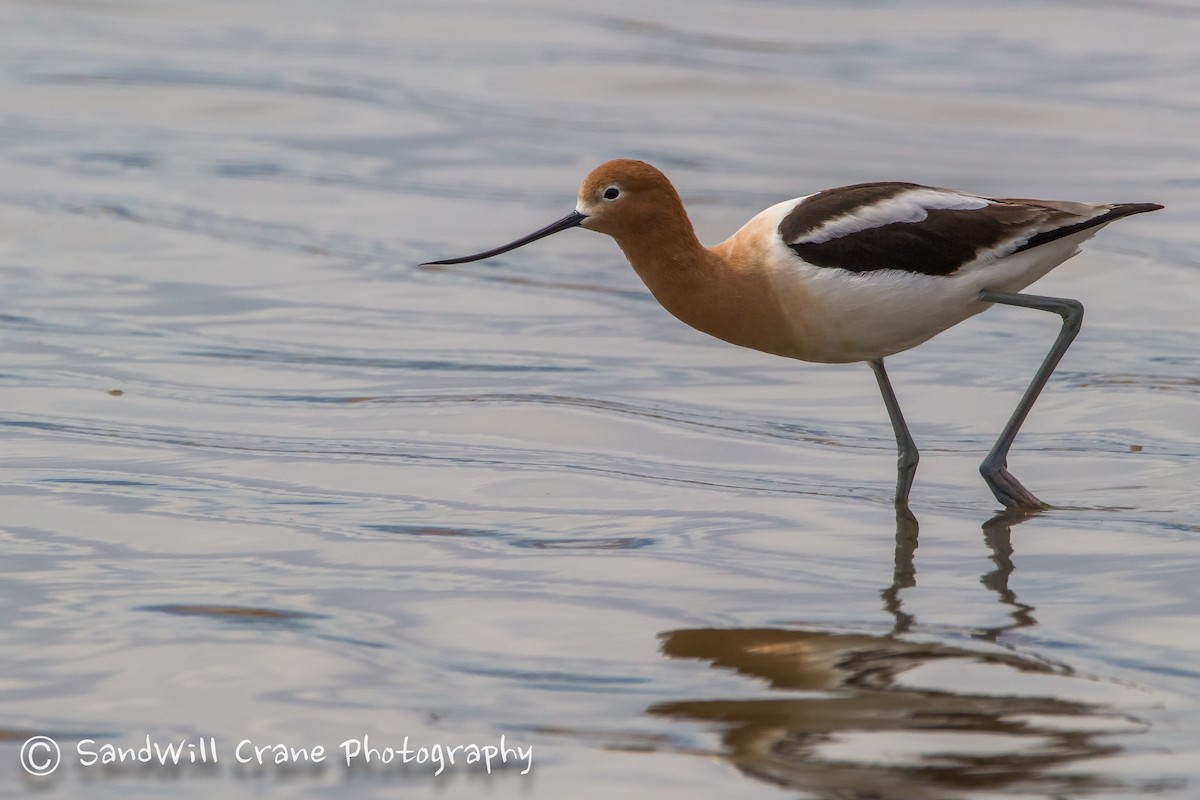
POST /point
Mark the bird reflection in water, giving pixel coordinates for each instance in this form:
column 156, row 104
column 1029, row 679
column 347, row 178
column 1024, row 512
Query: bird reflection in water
column 854, row 727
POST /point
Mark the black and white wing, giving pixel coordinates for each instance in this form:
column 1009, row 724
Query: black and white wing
column 921, row 229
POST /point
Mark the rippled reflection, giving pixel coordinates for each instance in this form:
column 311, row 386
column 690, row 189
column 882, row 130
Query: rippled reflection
column 997, row 536
column 859, row 720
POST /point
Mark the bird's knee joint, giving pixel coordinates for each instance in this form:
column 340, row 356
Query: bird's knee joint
column 1072, row 312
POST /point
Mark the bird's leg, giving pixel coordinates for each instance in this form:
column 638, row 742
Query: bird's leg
column 994, row 468
column 907, row 455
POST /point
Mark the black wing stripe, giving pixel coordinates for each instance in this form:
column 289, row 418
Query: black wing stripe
column 940, row 244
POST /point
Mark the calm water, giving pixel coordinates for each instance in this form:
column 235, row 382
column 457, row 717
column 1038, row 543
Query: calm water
column 263, row 478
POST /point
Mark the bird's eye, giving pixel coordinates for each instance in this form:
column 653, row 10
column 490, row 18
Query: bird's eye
column 611, row 193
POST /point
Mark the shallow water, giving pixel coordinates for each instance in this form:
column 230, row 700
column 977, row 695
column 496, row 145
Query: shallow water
column 263, row 478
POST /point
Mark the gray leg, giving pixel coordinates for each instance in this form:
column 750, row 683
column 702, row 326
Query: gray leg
column 994, row 468
column 907, row 455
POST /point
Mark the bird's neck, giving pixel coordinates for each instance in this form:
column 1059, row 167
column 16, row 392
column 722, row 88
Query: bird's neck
column 671, row 262
column 665, row 256
column 726, row 291
column 691, row 281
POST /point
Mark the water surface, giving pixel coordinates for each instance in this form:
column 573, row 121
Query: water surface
column 262, row 477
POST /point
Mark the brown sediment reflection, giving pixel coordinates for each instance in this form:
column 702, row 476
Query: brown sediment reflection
column 234, row 613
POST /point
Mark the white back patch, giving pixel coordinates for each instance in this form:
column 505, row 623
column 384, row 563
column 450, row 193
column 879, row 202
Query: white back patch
column 911, row 206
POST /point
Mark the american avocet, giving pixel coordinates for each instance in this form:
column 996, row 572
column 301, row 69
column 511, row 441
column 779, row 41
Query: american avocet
column 849, row 274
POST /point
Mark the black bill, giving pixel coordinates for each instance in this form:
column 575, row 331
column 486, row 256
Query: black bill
column 569, row 221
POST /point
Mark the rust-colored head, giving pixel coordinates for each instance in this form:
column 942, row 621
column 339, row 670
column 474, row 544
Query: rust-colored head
column 626, row 198
column 629, row 200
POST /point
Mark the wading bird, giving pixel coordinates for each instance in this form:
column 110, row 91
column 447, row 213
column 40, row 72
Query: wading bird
column 856, row 273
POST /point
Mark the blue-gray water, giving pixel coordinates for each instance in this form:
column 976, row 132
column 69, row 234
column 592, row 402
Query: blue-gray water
column 261, row 477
